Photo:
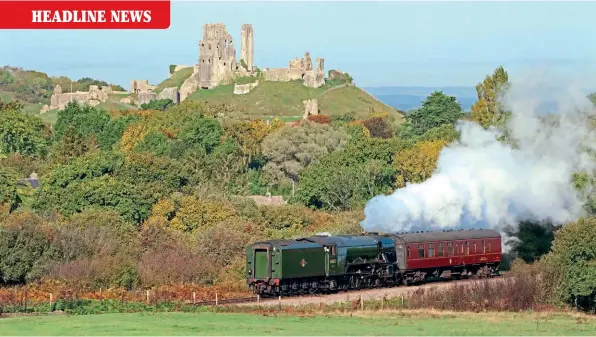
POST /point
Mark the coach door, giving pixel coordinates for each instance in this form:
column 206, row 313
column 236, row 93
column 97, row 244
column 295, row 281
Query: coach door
column 400, row 251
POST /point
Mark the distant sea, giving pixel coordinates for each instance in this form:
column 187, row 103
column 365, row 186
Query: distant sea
column 408, row 98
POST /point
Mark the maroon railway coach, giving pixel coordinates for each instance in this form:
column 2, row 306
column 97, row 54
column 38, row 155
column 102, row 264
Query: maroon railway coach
column 461, row 253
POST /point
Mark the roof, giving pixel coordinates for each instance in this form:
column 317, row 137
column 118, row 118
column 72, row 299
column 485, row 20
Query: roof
column 268, row 200
column 341, row 240
column 33, row 182
column 449, row 235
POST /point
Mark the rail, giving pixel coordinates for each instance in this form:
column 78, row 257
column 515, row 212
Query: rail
column 259, row 299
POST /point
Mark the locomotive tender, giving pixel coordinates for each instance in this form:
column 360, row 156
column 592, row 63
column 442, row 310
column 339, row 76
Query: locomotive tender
column 325, row 263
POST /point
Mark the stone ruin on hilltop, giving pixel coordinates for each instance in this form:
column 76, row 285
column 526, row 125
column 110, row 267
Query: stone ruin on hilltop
column 217, row 65
column 93, row 97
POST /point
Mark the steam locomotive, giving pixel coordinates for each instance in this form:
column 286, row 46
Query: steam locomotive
column 326, row 263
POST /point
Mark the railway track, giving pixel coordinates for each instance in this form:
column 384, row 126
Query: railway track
column 342, row 296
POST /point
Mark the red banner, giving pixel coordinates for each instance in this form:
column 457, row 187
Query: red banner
column 106, row 14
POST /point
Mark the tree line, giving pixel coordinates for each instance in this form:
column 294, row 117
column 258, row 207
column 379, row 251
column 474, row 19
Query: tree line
column 128, row 198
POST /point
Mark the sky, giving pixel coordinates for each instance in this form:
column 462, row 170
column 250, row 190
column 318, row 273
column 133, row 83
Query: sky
column 378, row 43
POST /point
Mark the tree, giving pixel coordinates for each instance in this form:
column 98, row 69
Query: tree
column 157, row 104
column 571, row 264
column 14, row 105
column 88, row 120
column 113, row 131
column 72, row 145
column 416, row 164
column 250, row 134
column 530, row 240
column 346, row 179
column 293, row 148
column 436, row 110
column 205, row 132
column 8, row 188
column 378, row 127
column 23, row 134
column 487, row 110
column 24, row 248
column 335, row 186
column 154, row 142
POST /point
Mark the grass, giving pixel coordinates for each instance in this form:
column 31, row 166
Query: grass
column 377, row 323
column 285, row 99
column 30, row 108
column 176, row 80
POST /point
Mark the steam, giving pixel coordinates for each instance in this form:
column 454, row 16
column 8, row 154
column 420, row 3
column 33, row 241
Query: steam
column 481, row 182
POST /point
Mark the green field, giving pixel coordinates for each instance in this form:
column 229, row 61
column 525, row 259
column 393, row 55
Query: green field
column 371, row 323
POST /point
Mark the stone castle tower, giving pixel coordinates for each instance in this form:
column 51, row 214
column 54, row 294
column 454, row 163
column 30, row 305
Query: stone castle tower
column 217, row 56
column 247, row 48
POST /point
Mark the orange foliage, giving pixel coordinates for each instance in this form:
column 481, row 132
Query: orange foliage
column 40, row 293
column 321, row 119
column 417, row 164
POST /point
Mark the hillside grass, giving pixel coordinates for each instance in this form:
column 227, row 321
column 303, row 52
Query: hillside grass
column 29, row 108
column 358, row 324
column 285, row 99
column 176, row 80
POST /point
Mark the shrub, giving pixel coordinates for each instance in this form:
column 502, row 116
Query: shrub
column 321, row 119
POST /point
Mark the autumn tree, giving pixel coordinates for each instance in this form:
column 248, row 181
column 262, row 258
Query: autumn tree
column 72, row 145
column 293, row 148
column 487, row 110
column 113, row 131
column 416, row 164
column 379, row 127
column 250, row 134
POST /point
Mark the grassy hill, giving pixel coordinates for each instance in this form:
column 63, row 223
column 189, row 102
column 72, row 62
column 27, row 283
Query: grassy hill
column 175, row 81
column 33, row 89
column 284, row 99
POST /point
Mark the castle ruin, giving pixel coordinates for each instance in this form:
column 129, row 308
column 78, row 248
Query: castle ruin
column 137, row 86
column 217, row 65
column 93, row 97
column 217, row 56
column 299, row 69
column 217, row 62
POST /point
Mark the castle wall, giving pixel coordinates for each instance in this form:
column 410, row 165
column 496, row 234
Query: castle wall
column 93, row 97
column 242, row 89
column 141, row 85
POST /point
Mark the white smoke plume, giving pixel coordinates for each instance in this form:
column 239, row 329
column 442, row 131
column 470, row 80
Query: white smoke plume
column 481, row 182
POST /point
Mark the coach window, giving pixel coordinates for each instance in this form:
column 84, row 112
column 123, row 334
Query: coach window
column 441, row 251
column 483, row 246
column 489, row 246
column 467, row 248
column 408, row 251
column 450, row 248
column 474, row 247
column 420, row 250
column 431, row 250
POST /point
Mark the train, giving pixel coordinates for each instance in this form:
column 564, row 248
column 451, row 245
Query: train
column 325, row 263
